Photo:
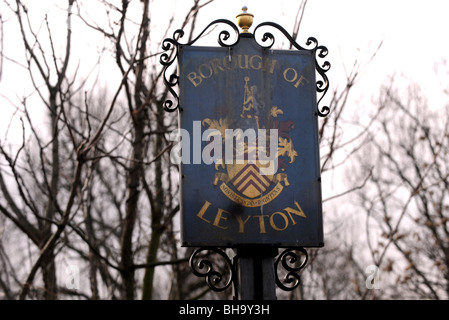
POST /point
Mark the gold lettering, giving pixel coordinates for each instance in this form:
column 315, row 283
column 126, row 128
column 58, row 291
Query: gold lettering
column 208, row 69
column 301, row 81
column 274, row 226
column 261, row 222
column 266, row 65
column 278, row 221
column 258, row 64
column 220, row 217
column 215, row 63
column 242, row 223
column 246, row 66
column 298, row 212
column 290, row 75
column 290, row 78
column 251, row 202
column 194, row 78
column 200, row 214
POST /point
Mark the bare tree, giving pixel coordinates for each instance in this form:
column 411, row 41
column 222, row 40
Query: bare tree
column 96, row 189
column 406, row 200
column 37, row 217
column 94, row 186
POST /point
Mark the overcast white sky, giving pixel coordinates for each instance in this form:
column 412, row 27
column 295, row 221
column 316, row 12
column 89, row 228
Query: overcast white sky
column 413, row 34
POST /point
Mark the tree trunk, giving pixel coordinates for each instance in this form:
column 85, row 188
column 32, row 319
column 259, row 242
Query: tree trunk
column 135, row 171
column 48, row 262
column 157, row 203
column 133, row 183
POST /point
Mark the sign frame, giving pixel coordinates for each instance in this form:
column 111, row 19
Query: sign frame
column 257, row 60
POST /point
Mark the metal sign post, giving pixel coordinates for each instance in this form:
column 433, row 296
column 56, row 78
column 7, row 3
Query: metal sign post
column 256, row 274
column 248, row 152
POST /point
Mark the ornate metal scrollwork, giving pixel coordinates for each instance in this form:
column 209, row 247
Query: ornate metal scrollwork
column 201, row 266
column 319, row 52
column 173, row 43
column 289, row 261
column 219, row 271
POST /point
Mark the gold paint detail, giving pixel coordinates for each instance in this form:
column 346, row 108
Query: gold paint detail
column 245, row 20
column 246, row 182
column 252, row 203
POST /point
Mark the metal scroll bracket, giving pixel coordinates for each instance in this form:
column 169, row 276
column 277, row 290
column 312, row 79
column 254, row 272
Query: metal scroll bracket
column 254, row 271
column 171, row 47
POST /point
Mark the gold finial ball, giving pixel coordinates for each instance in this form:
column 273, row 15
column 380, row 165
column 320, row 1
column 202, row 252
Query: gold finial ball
column 245, row 20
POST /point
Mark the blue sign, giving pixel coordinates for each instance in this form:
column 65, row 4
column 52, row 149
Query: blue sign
column 248, row 149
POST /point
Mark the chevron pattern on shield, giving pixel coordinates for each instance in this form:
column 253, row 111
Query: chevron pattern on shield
column 248, row 180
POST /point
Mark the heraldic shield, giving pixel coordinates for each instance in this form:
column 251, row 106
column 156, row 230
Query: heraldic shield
column 248, row 180
column 250, row 177
column 250, row 170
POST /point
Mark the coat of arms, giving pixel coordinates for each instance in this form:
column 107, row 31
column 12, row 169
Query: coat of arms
column 247, row 179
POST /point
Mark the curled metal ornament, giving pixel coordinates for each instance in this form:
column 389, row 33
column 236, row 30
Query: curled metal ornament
column 172, row 46
column 267, row 41
column 293, row 264
column 218, row 279
column 319, row 52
